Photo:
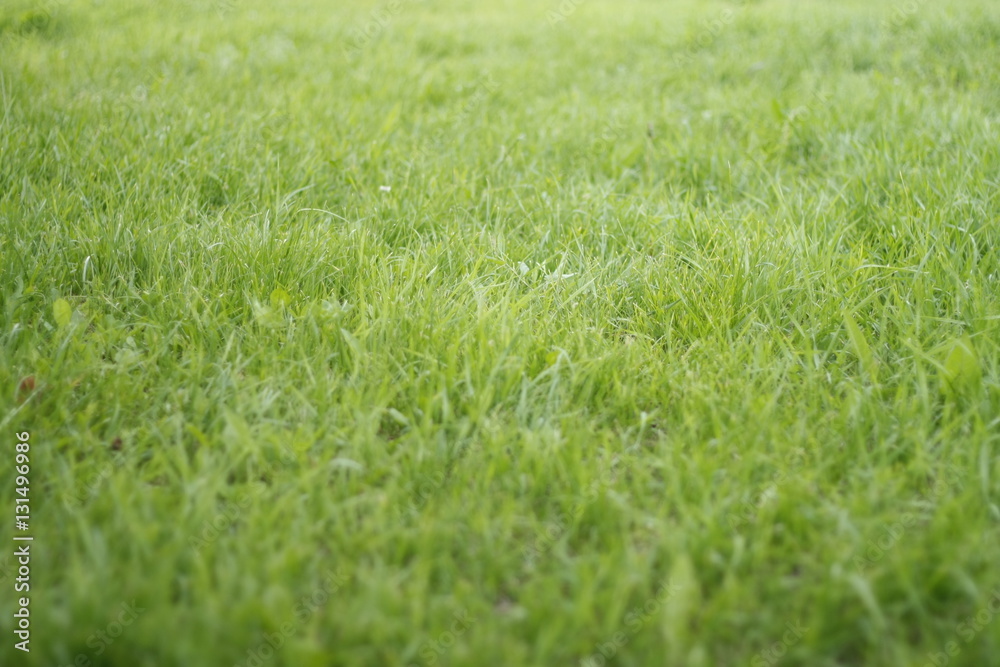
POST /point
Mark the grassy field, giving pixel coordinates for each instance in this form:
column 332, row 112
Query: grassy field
column 435, row 332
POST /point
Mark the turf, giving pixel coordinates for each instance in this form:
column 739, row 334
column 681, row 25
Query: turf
column 503, row 333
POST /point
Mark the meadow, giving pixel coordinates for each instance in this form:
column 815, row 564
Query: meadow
column 440, row 332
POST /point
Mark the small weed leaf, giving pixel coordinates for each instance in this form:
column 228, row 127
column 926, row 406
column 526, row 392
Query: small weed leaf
column 63, row 312
column 280, row 299
column 962, row 371
column 349, row 464
column 861, row 347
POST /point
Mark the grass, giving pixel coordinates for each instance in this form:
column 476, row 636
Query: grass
column 511, row 333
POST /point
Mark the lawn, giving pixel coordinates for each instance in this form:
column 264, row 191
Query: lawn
column 447, row 333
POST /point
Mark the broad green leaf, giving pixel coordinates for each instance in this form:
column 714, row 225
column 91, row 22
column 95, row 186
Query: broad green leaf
column 63, row 312
column 280, row 299
column 962, row 370
column 350, row 464
column 236, row 430
column 398, row 417
column 861, row 347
